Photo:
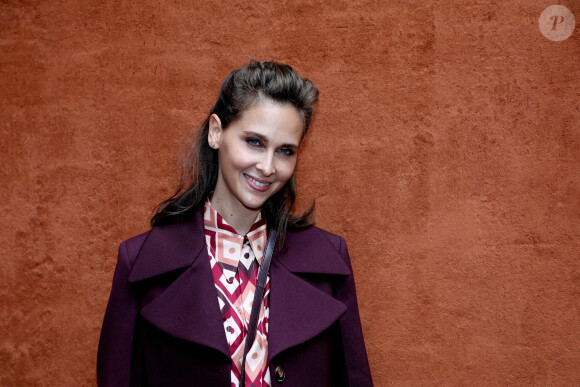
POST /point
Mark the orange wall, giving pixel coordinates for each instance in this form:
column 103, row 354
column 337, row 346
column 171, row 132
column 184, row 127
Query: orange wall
column 446, row 150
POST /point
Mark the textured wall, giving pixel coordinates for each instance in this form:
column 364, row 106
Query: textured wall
column 446, row 150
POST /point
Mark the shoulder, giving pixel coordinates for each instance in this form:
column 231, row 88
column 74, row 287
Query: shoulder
column 316, row 235
column 336, row 240
column 164, row 234
column 135, row 243
column 314, row 250
column 131, row 247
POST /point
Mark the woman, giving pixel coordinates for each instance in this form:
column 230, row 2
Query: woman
column 181, row 304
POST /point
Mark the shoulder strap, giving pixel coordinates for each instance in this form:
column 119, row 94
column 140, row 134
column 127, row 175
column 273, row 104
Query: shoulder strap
column 257, row 303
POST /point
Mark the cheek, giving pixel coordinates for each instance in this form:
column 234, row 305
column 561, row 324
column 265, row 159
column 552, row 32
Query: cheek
column 235, row 159
column 244, row 159
column 287, row 169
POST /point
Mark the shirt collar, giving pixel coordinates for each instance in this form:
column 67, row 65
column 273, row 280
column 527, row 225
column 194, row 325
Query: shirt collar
column 215, row 224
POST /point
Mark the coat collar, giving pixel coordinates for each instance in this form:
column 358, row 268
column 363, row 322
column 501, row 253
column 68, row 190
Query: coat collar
column 298, row 310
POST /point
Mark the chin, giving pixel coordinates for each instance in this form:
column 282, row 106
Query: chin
column 251, row 203
column 254, row 205
column 255, row 201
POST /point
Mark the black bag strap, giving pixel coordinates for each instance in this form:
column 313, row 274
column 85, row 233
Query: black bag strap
column 257, row 303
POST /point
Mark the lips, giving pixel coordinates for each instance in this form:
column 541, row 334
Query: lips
column 258, row 185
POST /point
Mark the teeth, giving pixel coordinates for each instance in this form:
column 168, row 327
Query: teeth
column 259, row 184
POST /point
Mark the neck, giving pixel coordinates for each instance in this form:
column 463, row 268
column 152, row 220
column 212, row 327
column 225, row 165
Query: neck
column 241, row 219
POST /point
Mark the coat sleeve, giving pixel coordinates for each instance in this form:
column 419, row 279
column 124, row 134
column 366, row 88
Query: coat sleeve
column 115, row 345
column 355, row 355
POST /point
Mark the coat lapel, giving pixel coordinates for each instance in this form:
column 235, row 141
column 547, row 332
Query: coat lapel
column 298, row 310
column 188, row 307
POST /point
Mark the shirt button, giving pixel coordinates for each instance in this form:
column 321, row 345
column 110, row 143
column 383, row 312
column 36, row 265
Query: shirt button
column 280, row 374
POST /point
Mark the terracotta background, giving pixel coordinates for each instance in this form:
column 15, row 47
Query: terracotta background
column 446, row 150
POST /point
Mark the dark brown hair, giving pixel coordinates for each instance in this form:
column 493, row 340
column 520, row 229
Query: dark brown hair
column 243, row 87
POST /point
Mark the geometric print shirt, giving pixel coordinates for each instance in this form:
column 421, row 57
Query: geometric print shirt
column 234, row 261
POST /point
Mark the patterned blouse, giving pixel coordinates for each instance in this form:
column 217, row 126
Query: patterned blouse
column 235, row 260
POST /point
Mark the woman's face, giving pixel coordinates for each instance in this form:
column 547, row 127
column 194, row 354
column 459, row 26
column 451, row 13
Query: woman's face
column 257, row 155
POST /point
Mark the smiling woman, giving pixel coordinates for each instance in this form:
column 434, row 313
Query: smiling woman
column 195, row 301
column 257, row 157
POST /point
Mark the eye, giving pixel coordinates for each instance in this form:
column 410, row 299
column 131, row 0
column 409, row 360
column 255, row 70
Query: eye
column 253, row 142
column 286, row 151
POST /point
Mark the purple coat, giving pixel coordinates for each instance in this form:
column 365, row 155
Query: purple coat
column 163, row 326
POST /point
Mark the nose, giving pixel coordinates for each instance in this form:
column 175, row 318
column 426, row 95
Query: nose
column 266, row 164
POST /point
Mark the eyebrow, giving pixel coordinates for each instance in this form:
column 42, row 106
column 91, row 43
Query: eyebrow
column 264, row 139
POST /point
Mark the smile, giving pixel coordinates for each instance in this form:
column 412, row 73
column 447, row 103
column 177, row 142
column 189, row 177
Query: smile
column 256, row 184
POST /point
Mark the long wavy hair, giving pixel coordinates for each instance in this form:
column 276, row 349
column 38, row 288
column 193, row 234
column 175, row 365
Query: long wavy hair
column 243, row 87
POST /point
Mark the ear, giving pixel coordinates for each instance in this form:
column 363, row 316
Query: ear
column 215, row 131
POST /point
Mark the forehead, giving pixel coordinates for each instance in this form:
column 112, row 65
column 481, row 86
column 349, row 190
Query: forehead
column 273, row 120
